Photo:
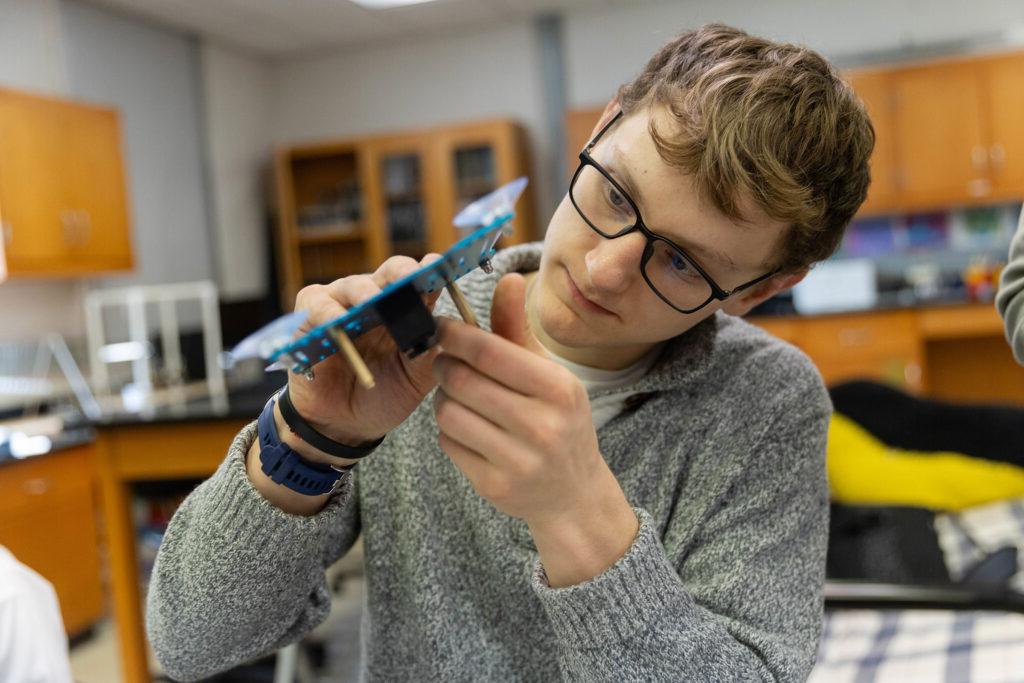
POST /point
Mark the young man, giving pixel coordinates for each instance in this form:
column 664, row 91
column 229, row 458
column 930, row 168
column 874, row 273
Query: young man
column 624, row 482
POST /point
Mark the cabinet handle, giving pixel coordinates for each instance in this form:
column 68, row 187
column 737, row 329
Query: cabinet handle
column 912, row 375
column 84, row 226
column 979, row 187
column 76, row 227
column 979, row 156
column 901, row 179
column 853, row 336
column 997, row 153
column 67, row 221
column 36, row 487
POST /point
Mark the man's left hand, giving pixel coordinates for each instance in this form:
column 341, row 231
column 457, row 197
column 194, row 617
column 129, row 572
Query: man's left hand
column 519, row 426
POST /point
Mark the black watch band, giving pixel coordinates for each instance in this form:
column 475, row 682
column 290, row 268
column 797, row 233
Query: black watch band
column 318, row 440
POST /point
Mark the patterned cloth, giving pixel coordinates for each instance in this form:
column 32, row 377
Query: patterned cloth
column 933, row 646
column 968, row 536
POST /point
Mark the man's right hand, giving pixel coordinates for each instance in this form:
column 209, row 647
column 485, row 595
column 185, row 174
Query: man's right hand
column 334, row 402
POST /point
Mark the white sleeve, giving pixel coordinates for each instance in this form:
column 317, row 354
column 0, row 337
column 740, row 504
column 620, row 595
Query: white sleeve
column 33, row 645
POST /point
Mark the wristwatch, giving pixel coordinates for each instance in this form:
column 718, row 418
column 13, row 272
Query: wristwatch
column 285, row 466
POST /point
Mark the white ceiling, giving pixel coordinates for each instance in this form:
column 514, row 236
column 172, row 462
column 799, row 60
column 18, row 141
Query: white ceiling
column 276, row 28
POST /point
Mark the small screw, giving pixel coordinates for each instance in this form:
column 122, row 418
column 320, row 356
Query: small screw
column 486, row 265
column 308, row 374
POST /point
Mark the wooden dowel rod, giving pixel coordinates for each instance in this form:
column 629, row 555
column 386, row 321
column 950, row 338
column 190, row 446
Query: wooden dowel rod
column 363, row 373
column 460, row 303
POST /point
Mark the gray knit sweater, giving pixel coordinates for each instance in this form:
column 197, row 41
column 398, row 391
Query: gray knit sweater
column 722, row 455
column 1010, row 299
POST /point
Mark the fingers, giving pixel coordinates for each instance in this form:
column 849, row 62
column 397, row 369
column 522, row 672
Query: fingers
column 472, row 464
column 508, row 313
column 488, row 398
column 515, row 367
column 328, row 302
column 468, row 428
column 394, row 269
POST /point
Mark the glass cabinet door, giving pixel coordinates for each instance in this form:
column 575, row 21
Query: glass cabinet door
column 475, row 173
column 404, row 215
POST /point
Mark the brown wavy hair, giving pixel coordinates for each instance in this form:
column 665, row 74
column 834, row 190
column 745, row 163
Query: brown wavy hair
column 766, row 120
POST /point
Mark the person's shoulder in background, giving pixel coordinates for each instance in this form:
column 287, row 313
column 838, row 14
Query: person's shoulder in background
column 33, row 645
column 1010, row 298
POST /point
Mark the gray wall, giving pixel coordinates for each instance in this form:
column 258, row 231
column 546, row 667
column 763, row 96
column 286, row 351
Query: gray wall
column 238, row 91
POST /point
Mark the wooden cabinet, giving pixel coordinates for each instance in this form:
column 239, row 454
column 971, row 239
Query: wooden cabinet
column 1003, row 79
column 955, row 353
column 101, row 237
column 476, row 159
column 579, row 128
column 345, row 206
column 399, row 201
column 948, row 132
column 48, row 521
column 874, row 89
column 939, row 133
column 63, row 207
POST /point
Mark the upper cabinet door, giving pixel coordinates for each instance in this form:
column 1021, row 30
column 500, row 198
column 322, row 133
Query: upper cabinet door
column 475, row 160
column 62, row 188
column 96, row 202
column 400, row 195
column 1004, row 80
column 32, row 134
column 940, row 144
column 874, row 89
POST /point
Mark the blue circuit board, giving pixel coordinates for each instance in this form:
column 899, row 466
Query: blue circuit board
column 469, row 253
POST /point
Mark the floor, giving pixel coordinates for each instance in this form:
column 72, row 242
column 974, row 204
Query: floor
column 95, row 660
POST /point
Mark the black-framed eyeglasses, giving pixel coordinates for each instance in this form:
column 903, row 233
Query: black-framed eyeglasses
column 671, row 273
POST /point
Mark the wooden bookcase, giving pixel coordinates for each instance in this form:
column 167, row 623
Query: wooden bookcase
column 344, row 206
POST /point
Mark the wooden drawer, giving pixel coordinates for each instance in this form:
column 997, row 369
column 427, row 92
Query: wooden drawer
column 44, row 480
column 899, row 370
column 786, row 329
column 872, row 335
column 961, row 322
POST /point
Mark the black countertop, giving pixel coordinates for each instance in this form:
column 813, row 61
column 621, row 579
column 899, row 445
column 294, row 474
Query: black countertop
column 241, row 403
column 69, row 438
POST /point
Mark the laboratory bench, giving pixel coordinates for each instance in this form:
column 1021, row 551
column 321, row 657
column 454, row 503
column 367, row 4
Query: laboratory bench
column 178, row 444
column 949, row 351
column 66, row 508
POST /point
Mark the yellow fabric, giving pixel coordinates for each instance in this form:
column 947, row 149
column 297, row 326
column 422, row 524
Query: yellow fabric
column 864, row 471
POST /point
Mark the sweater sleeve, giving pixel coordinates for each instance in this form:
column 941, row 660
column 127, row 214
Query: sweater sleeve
column 1010, row 298
column 740, row 600
column 237, row 577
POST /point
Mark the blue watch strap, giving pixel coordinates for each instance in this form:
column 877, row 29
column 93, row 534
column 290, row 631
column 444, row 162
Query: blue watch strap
column 286, row 467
